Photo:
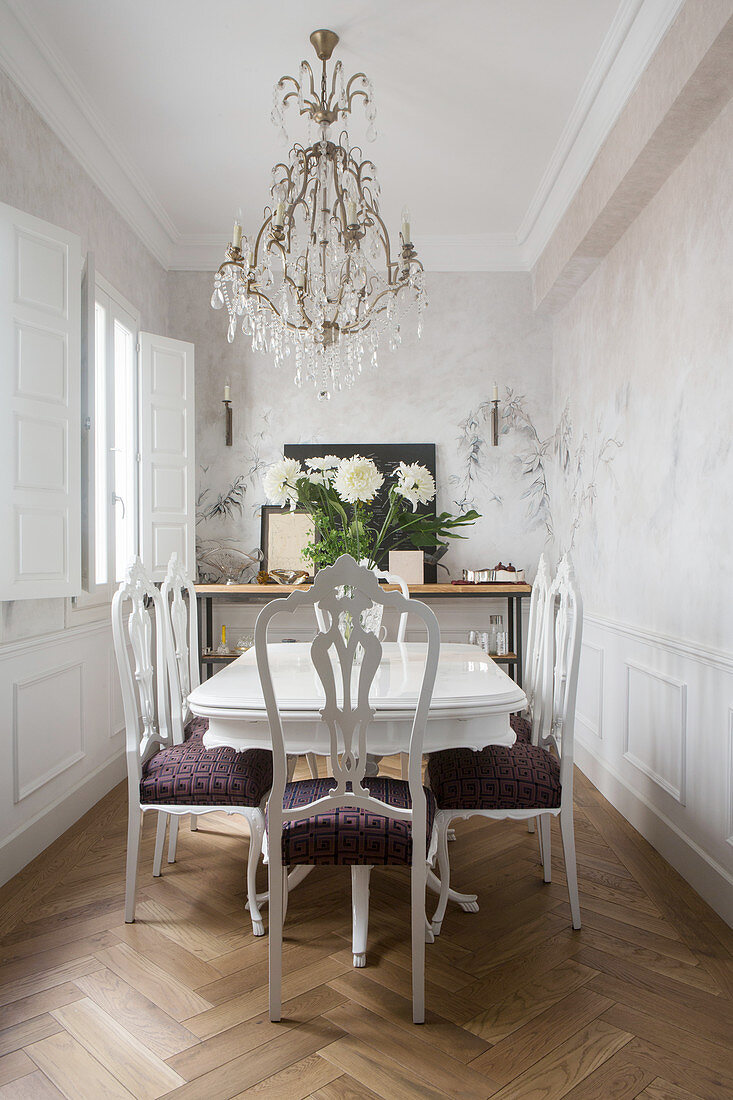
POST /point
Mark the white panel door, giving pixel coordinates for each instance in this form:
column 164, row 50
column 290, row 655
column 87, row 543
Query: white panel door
column 40, row 389
column 167, row 461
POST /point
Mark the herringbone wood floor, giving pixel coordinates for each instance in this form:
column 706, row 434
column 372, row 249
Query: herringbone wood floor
column 639, row 1003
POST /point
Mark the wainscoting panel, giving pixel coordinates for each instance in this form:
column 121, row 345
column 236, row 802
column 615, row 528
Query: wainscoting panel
column 656, row 721
column 48, row 727
column 665, row 758
column 60, row 717
column 589, row 707
column 729, row 781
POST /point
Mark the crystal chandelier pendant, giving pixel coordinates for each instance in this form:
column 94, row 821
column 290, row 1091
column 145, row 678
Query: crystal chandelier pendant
column 319, row 284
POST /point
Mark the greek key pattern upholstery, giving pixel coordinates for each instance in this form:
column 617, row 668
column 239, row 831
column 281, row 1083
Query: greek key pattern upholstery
column 497, row 778
column 189, row 774
column 195, row 728
column 351, row 836
column 522, row 727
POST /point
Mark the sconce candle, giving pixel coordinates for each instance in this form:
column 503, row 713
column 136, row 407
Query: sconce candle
column 227, row 415
column 495, row 416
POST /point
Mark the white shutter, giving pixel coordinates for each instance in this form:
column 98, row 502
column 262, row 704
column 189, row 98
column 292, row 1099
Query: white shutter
column 167, row 463
column 88, row 427
column 40, row 389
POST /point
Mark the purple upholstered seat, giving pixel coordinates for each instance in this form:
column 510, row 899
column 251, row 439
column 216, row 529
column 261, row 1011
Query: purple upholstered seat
column 189, row 774
column 522, row 727
column 195, row 728
column 497, row 778
column 351, row 836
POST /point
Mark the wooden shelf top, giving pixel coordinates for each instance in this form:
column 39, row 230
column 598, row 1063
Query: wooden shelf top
column 209, row 658
column 274, row 590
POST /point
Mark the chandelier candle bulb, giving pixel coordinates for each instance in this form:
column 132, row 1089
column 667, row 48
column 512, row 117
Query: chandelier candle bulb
column 351, row 213
column 226, row 390
column 237, row 230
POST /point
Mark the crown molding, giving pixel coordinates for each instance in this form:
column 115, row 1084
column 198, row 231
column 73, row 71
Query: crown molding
column 53, row 89
column 636, row 31
column 57, row 95
column 485, row 252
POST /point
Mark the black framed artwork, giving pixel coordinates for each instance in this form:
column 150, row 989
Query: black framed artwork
column 386, row 457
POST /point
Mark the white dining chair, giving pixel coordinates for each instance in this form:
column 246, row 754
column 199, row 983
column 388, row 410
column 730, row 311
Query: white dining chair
column 525, row 780
column 390, row 578
column 182, row 647
column 522, row 723
column 171, row 776
column 348, row 818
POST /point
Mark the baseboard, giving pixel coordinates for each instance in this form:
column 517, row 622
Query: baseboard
column 18, row 849
column 712, row 882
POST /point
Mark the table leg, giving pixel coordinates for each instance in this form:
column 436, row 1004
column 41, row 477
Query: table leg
column 209, row 631
column 510, row 628
column 467, row 902
column 519, row 625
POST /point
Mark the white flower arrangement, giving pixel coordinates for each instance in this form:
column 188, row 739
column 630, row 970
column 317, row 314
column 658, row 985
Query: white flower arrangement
column 357, row 480
column 415, row 483
column 280, row 482
column 337, row 493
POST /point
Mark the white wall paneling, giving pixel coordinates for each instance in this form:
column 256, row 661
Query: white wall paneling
column 667, row 721
column 589, row 706
column 729, row 782
column 60, row 724
column 656, row 726
column 48, row 727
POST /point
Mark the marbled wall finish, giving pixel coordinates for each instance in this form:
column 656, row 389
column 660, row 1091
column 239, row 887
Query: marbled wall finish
column 644, row 352
column 478, row 328
column 38, row 174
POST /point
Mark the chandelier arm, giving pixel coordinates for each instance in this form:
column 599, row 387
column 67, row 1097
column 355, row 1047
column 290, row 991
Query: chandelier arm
column 332, row 93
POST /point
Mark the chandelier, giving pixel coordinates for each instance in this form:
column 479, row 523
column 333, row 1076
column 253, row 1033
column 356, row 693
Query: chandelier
column 318, row 284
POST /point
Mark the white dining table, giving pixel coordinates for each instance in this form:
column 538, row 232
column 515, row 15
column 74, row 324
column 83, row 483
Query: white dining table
column 470, row 707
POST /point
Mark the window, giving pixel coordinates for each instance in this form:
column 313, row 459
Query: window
column 115, row 480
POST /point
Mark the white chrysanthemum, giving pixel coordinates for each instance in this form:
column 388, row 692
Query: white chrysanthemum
column 415, row 483
column 279, row 482
column 328, row 462
column 357, row 479
column 322, row 469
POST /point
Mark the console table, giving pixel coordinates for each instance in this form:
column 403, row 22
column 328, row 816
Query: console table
column 263, row 593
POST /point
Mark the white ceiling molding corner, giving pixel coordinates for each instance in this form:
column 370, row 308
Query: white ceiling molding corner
column 55, row 93
column 484, row 252
column 632, row 39
column 198, row 252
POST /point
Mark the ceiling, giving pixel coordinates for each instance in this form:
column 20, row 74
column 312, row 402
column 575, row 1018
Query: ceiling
column 480, row 106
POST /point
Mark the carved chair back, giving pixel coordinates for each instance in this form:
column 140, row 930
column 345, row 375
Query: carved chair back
column 182, row 644
column 393, row 578
column 535, row 641
column 390, row 578
column 563, row 635
column 347, row 676
column 138, row 632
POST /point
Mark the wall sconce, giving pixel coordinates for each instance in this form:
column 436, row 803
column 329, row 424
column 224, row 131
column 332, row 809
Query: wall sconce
column 228, row 414
column 495, row 416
